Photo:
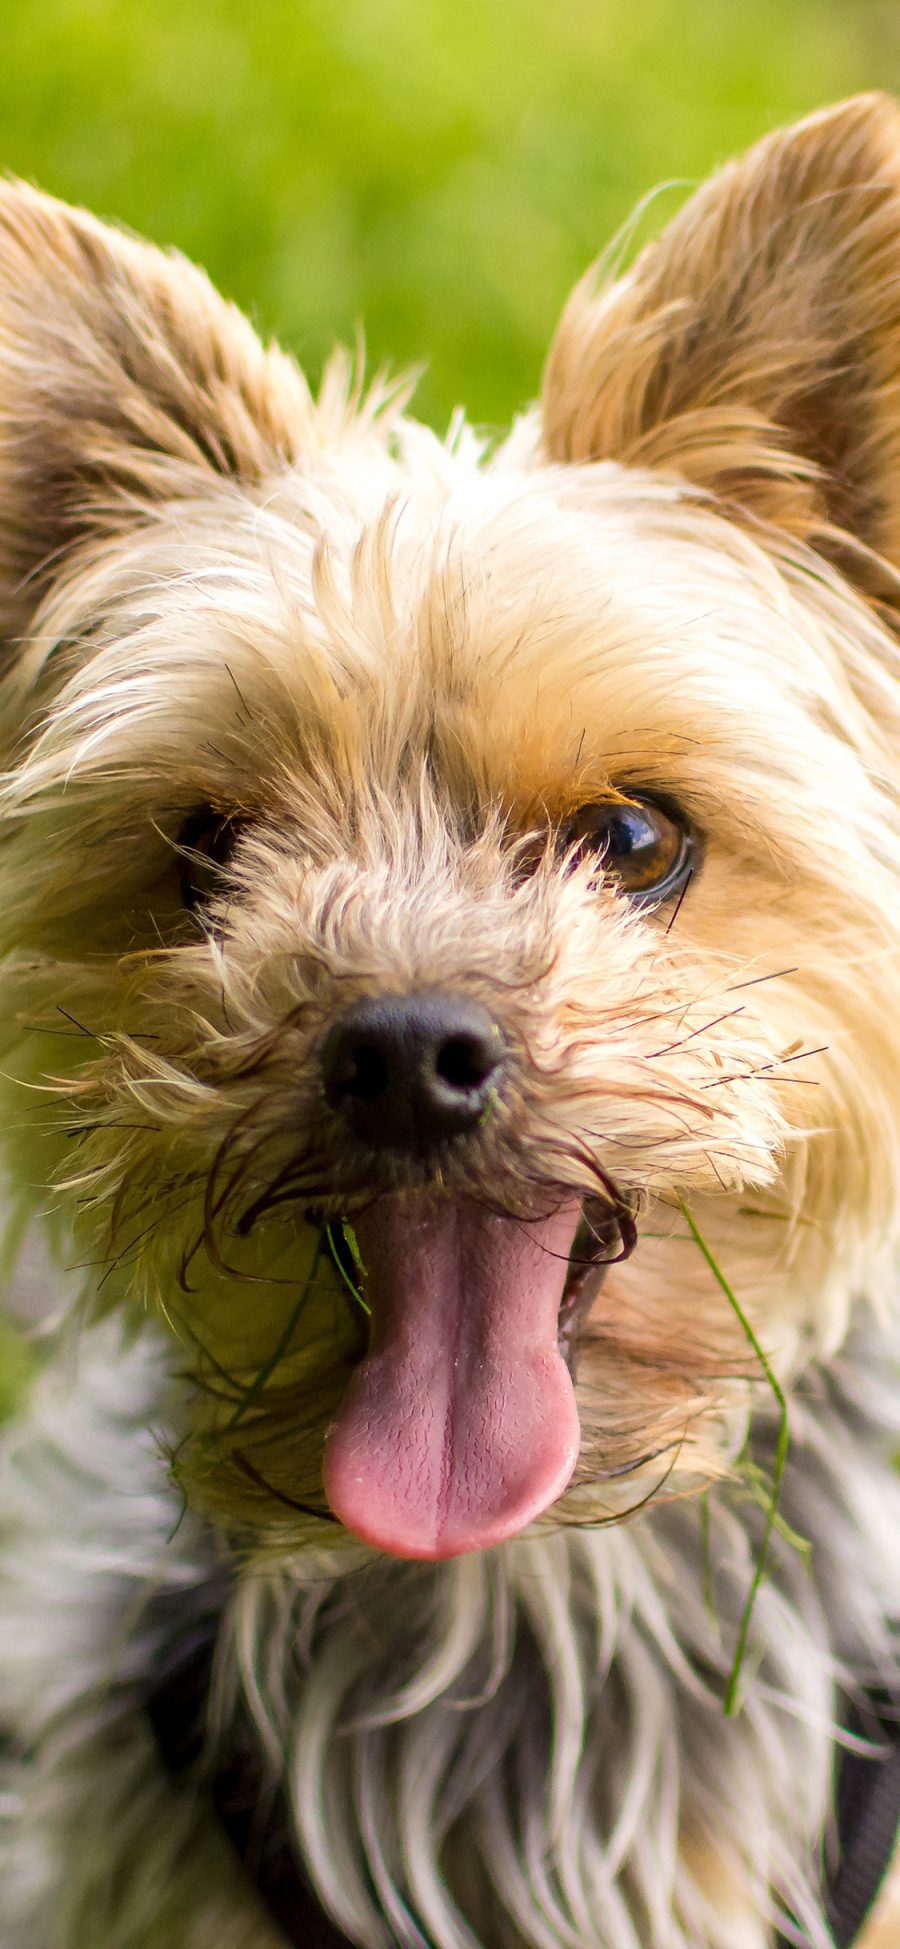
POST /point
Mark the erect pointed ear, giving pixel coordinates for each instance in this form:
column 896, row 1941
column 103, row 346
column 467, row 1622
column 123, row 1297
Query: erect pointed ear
column 124, row 378
column 755, row 348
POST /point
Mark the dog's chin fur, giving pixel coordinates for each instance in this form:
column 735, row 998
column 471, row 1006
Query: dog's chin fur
column 397, row 669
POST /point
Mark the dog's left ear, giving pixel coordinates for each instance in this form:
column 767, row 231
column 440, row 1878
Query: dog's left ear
column 755, row 347
column 125, row 380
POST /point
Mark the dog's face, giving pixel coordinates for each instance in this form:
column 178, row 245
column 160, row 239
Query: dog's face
column 429, row 876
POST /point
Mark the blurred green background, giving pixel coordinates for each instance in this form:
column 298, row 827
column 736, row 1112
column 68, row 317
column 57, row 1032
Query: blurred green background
column 439, row 171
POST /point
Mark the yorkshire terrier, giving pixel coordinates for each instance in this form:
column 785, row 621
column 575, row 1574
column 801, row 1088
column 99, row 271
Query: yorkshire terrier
column 450, row 906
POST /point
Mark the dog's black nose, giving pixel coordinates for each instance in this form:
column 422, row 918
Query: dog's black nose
column 406, row 1071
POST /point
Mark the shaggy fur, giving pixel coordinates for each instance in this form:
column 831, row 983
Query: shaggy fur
column 397, row 668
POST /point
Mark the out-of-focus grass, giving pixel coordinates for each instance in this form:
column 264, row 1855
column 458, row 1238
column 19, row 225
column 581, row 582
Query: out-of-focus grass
column 438, row 170
column 16, row 1365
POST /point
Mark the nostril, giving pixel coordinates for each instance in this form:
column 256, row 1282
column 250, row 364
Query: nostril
column 355, row 1068
column 366, row 1073
column 466, row 1061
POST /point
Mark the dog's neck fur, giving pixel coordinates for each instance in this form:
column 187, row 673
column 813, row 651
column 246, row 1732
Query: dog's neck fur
column 526, row 1747
column 547, row 1721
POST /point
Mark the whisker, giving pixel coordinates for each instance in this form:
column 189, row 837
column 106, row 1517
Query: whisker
column 253, row 1474
column 680, row 901
column 728, row 1016
column 778, row 974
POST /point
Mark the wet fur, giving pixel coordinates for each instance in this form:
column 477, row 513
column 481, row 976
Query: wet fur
column 401, row 664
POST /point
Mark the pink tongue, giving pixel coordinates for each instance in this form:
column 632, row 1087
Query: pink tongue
column 460, row 1425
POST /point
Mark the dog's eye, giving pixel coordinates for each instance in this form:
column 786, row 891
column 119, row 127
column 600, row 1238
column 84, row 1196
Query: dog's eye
column 647, row 847
column 206, row 842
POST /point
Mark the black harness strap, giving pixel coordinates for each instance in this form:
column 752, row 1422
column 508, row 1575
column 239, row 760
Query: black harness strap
column 867, row 1824
column 254, row 1815
column 868, row 1820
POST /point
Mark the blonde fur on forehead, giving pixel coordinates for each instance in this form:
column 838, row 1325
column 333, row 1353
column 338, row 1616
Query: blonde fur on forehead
column 396, row 668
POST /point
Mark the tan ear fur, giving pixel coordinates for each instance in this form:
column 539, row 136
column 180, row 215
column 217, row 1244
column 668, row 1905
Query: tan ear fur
column 755, row 347
column 123, row 377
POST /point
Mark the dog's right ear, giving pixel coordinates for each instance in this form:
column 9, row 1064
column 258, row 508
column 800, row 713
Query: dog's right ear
column 125, row 379
column 754, row 348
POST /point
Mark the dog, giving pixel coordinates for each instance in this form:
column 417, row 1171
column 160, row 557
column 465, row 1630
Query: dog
column 450, row 901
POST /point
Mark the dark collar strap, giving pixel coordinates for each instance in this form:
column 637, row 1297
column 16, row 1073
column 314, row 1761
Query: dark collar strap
column 867, row 1819
column 254, row 1816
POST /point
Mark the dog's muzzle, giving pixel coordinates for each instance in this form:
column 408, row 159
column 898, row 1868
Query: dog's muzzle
column 460, row 1424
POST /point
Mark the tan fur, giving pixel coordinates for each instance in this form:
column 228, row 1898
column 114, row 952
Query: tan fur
column 883, row 1931
column 404, row 665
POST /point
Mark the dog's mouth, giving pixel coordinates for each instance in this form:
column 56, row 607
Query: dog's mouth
column 594, row 1249
column 460, row 1424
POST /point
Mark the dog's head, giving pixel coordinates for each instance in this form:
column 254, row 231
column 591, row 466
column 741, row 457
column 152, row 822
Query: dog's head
column 442, row 887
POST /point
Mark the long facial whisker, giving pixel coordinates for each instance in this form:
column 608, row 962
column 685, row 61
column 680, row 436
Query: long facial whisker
column 254, row 1475
column 767, row 1068
column 728, row 1015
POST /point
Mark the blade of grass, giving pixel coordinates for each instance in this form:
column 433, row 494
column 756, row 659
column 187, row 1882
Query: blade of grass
column 781, row 1453
column 255, row 1389
column 353, row 1247
column 758, row 1488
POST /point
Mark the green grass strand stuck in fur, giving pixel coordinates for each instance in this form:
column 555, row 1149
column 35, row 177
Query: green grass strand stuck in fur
column 265, row 1373
column 352, row 1244
column 781, row 1454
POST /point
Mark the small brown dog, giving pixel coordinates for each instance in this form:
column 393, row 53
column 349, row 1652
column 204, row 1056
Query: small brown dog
column 451, row 916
